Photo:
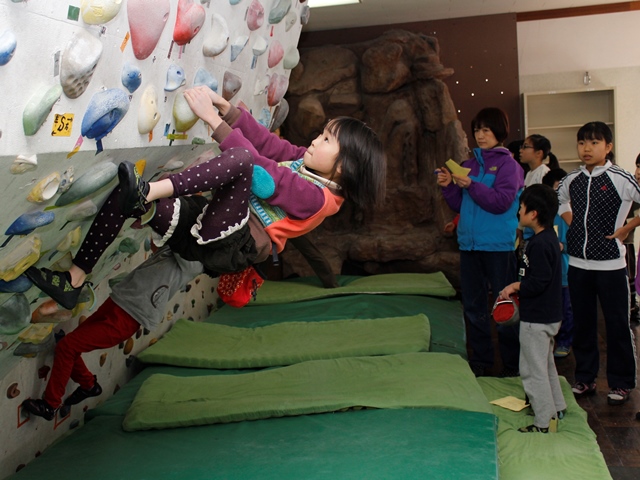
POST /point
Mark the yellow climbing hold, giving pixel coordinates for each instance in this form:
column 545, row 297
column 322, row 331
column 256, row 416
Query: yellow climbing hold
column 36, row 333
column 141, row 165
column 27, row 253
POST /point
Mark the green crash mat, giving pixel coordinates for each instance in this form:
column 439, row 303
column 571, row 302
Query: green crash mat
column 210, row 345
column 433, row 284
column 392, row 381
column 406, row 444
column 572, row 452
column 445, row 316
column 119, row 403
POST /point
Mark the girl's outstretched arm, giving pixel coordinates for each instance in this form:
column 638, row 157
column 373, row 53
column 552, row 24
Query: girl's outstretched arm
column 202, row 105
column 267, row 143
column 218, row 101
column 208, row 105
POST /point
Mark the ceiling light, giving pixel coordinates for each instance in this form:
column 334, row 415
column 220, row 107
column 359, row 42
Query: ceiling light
column 330, row 3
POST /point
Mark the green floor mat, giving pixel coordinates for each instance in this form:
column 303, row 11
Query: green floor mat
column 211, row 345
column 119, row 403
column 572, row 452
column 392, row 381
column 433, row 284
column 368, row 444
column 445, row 316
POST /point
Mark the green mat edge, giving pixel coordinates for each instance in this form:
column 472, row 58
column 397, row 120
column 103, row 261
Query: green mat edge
column 174, row 351
column 137, row 417
column 301, row 289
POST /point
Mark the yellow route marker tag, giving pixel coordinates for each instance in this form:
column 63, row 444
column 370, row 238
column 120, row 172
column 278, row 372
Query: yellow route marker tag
column 62, row 125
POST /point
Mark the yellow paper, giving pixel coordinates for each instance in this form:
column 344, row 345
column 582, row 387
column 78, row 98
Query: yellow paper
column 511, row 403
column 457, row 169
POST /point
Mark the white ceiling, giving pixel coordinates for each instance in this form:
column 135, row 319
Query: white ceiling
column 387, row 12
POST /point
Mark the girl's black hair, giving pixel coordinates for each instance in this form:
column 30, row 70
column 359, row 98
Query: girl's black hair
column 552, row 176
column 514, row 148
column 597, row 131
column 544, row 200
column 361, row 161
column 495, row 120
column 542, row 143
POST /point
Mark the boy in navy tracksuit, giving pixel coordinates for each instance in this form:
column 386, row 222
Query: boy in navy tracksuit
column 540, row 290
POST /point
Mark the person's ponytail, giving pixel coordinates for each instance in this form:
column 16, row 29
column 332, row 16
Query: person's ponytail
column 553, row 162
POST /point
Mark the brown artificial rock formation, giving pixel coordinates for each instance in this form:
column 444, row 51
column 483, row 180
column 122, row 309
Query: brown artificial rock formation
column 394, row 83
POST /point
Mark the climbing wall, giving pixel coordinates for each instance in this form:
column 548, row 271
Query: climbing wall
column 86, row 85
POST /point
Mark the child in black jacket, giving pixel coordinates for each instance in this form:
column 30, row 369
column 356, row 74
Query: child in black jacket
column 540, row 290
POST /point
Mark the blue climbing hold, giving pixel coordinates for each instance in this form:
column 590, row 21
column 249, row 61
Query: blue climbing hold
column 8, row 45
column 104, row 112
column 19, row 285
column 131, row 77
column 28, row 222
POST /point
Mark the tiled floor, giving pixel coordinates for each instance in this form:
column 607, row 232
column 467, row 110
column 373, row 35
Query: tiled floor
column 616, row 427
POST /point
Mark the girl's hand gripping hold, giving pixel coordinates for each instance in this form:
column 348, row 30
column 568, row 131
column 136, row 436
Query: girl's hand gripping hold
column 201, row 104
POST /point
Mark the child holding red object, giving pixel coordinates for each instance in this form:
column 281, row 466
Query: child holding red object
column 540, row 293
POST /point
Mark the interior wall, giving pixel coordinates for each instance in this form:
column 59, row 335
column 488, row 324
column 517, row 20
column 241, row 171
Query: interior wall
column 35, row 45
column 555, row 54
column 482, row 51
column 540, row 55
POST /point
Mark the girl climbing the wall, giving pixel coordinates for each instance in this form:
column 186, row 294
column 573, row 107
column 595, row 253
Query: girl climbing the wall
column 266, row 191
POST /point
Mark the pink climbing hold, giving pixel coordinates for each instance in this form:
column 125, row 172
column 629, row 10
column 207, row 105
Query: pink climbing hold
column 147, row 19
column 189, row 21
column 278, row 85
column 276, row 53
column 255, row 15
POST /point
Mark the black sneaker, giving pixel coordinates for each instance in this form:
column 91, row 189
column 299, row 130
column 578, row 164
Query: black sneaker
column 133, row 189
column 618, row 396
column 81, row 394
column 55, row 284
column 533, row 429
column 39, row 408
column 580, row 388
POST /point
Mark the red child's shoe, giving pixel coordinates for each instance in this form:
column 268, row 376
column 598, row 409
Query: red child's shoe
column 236, row 289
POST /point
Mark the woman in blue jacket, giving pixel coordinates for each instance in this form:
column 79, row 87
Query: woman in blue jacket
column 487, row 200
